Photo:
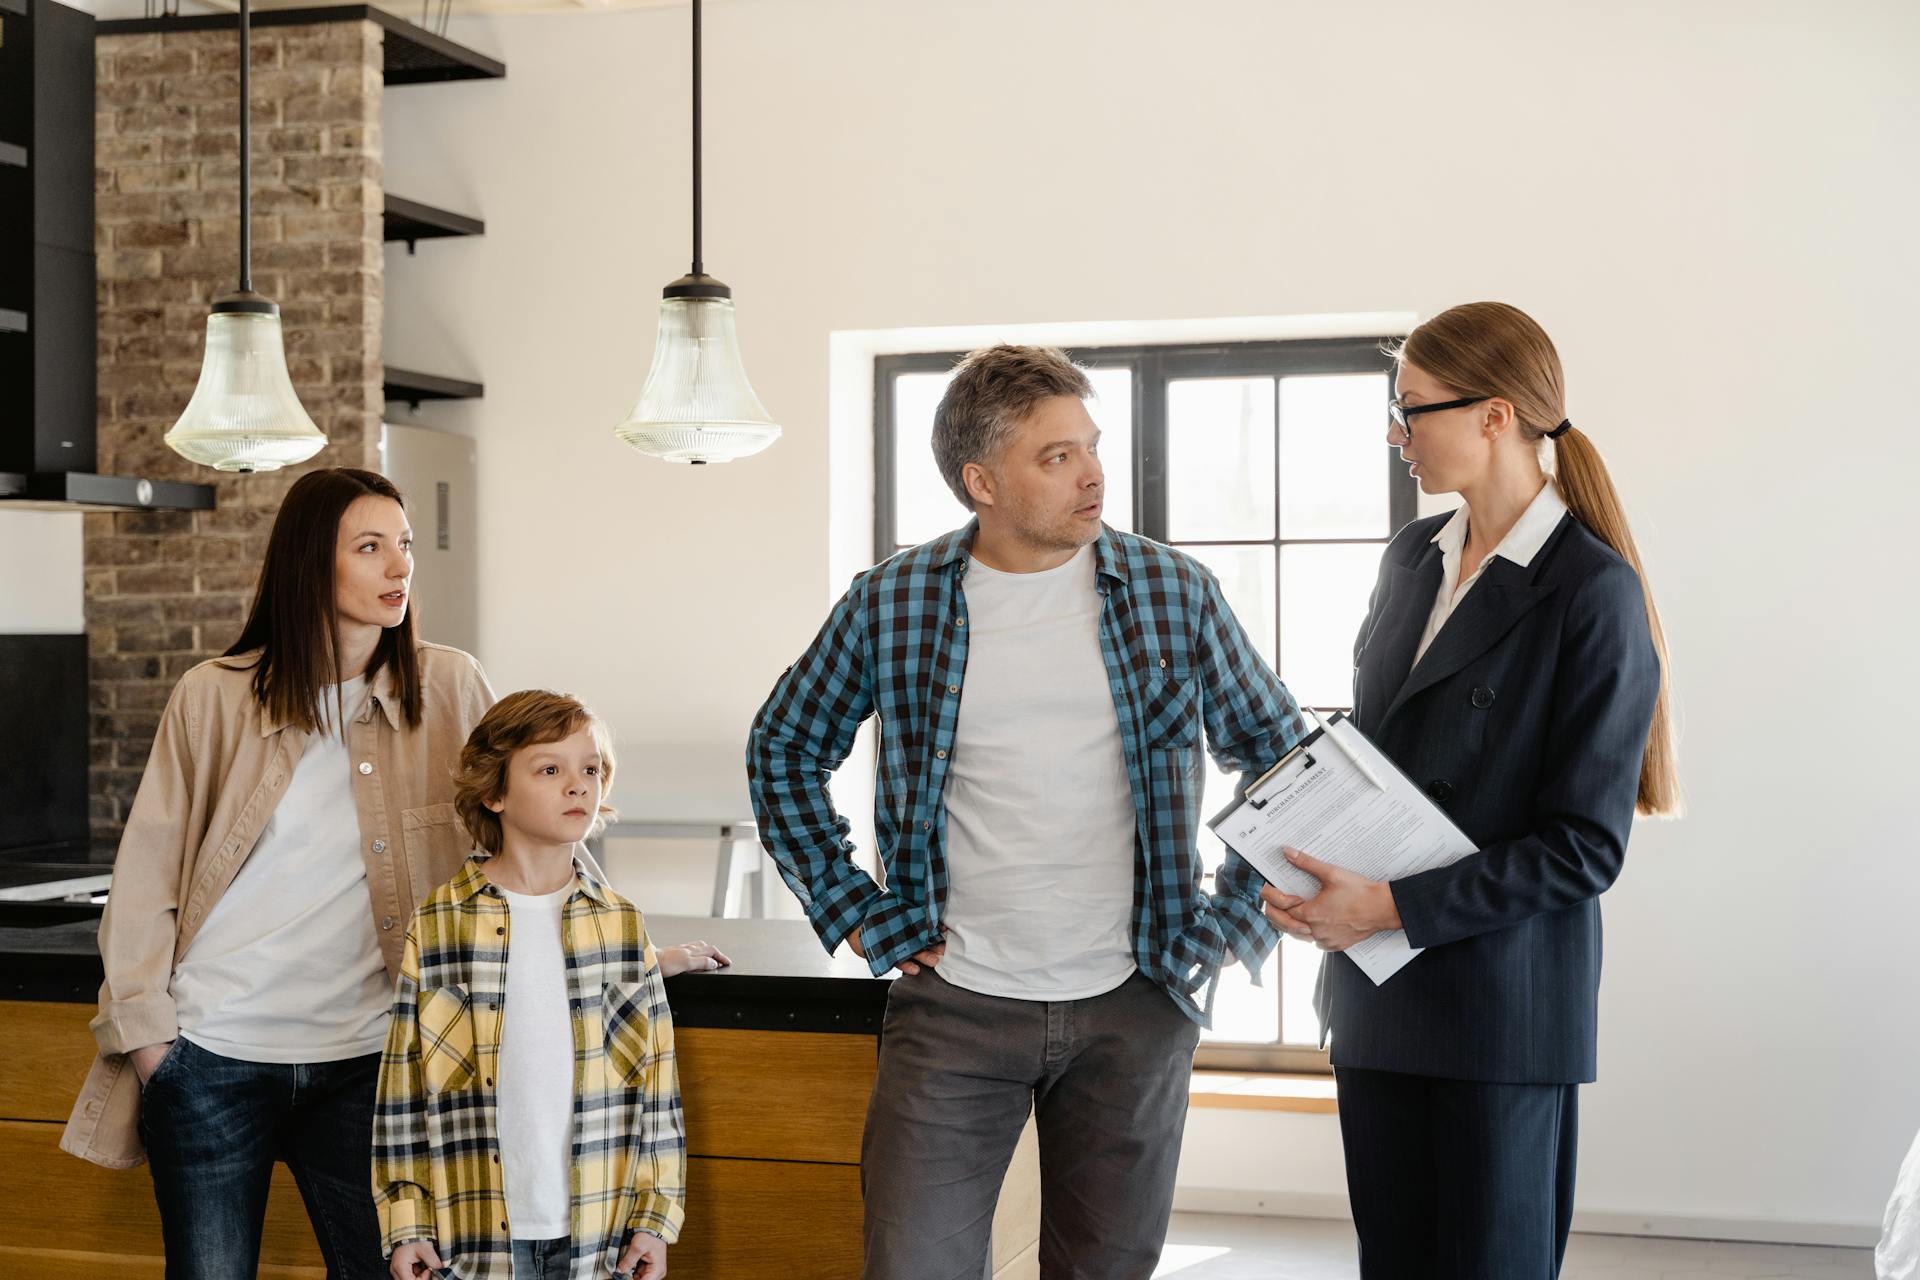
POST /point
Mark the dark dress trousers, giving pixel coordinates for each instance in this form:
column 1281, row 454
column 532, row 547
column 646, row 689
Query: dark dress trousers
column 1526, row 720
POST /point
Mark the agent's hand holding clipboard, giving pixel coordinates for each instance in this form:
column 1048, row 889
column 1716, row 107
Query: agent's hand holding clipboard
column 1367, row 824
column 1347, row 911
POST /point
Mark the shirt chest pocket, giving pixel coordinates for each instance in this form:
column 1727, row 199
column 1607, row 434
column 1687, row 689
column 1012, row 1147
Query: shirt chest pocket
column 1169, row 702
column 436, row 843
column 628, row 1030
column 447, row 1058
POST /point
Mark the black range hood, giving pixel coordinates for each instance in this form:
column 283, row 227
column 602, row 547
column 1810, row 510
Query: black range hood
column 48, row 383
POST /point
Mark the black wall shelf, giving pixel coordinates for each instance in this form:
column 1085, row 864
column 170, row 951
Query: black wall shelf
column 414, row 55
column 410, row 387
column 13, row 154
column 410, row 221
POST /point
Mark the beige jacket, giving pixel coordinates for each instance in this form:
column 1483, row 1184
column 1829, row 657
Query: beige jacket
column 218, row 768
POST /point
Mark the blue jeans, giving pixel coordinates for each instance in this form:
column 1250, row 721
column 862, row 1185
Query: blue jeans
column 213, row 1127
column 541, row 1259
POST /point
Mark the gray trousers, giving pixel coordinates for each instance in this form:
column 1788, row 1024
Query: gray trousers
column 1106, row 1079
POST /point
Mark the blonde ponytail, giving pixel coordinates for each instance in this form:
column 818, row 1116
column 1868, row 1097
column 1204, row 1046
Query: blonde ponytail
column 1589, row 494
column 1492, row 349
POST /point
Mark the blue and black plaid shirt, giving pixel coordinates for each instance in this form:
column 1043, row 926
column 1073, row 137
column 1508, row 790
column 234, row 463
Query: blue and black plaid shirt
column 896, row 646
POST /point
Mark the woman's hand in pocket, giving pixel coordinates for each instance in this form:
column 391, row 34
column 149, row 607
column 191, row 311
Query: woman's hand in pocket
column 146, row 1060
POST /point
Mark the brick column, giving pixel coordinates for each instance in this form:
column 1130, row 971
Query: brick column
column 165, row 590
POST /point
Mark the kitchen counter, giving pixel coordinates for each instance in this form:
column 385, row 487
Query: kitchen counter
column 776, row 1055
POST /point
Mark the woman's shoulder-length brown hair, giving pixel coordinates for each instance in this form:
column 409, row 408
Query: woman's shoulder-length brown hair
column 294, row 624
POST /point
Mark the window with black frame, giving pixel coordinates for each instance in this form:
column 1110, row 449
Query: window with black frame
column 1268, row 463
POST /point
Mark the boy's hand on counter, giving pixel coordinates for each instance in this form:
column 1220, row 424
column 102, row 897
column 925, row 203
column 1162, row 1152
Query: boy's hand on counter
column 413, row 1259
column 644, row 1258
column 147, row 1058
column 930, row 957
column 690, row 957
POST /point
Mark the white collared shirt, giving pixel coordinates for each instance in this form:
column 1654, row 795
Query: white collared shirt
column 1522, row 543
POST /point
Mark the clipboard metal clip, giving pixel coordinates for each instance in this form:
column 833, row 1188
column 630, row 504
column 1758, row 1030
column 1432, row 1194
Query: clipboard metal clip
column 1285, row 760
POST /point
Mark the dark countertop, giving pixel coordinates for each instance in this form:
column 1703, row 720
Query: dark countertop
column 780, row 978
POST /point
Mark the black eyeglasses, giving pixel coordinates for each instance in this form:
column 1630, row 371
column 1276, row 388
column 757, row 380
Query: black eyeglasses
column 1403, row 415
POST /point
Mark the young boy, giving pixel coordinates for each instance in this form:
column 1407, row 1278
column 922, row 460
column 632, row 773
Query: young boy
column 528, row 1121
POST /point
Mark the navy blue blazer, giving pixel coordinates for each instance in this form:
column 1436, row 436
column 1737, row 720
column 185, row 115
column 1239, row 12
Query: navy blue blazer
column 1526, row 720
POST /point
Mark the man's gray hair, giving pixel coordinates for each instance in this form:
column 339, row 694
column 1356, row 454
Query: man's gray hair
column 992, row 390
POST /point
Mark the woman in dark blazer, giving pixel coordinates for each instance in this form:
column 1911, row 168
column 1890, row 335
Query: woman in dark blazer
column 1512, row 664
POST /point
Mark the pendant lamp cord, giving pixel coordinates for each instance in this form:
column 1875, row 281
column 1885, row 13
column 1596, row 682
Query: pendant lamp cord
column 698, row 268
column 246, row 158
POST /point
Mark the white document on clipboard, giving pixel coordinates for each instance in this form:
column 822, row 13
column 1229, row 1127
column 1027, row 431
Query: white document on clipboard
column 1343, row 802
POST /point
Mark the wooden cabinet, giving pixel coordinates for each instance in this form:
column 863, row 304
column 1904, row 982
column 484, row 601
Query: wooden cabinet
column 776, row 1061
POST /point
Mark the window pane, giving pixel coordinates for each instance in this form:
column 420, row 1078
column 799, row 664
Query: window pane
column 1244, row 1013
column 1112, row 410
column 1323, row 601
column 1299, row 966
column 1246, row 580
column 923, row 506
column 1219, row 459
column 1333, row 472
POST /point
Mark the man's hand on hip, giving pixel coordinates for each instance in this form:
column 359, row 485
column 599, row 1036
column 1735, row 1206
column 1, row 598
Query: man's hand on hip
column 931, row 957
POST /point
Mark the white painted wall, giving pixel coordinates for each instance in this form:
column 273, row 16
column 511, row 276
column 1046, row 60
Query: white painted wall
column 1708, row 205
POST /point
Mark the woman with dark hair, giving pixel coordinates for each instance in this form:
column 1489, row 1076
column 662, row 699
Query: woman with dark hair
column 1512, row 663
column 297, row 806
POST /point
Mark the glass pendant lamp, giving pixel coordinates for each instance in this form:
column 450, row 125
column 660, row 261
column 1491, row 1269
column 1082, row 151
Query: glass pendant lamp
column 244, row 415
column 697, row 405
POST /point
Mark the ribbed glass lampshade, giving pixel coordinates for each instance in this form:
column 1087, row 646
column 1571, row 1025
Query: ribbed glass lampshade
column 244, row 415
column 697, row 405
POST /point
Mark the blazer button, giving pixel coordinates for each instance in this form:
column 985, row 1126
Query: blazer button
column 1482, row 697
column 366, row 767
column 1441, row 790
column 379, row 846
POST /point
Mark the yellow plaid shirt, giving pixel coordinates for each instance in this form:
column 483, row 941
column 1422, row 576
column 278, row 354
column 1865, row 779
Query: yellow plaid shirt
column 436, row 1163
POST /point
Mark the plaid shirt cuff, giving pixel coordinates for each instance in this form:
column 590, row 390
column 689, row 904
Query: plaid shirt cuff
column 658, row 1215
column 405, row 1216
column 1250, row 936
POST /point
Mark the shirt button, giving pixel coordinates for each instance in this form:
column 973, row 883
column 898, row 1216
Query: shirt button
column 1483, row 698
column 959, row 622
column 501, row 930
column 953, row 688
column 1163, row 664
column 366, row 767
column 939, row 755
column 386, row 922
column 926, row 826
column 379, row 846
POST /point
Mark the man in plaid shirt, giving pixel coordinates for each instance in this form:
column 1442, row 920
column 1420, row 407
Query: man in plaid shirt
column 1041, row 682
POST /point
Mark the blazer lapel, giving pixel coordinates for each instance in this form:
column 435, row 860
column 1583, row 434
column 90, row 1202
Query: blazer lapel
column 1388, row 650
column 1504, row 595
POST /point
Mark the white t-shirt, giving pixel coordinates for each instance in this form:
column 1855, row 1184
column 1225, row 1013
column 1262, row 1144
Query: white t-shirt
column 1040, row 822
column 535, row 1101
column 287, row 967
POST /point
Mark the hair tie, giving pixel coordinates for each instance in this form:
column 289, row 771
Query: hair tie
column 1564, row 427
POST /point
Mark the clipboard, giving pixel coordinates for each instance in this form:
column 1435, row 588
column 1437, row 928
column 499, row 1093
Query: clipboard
column 1345, row 802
